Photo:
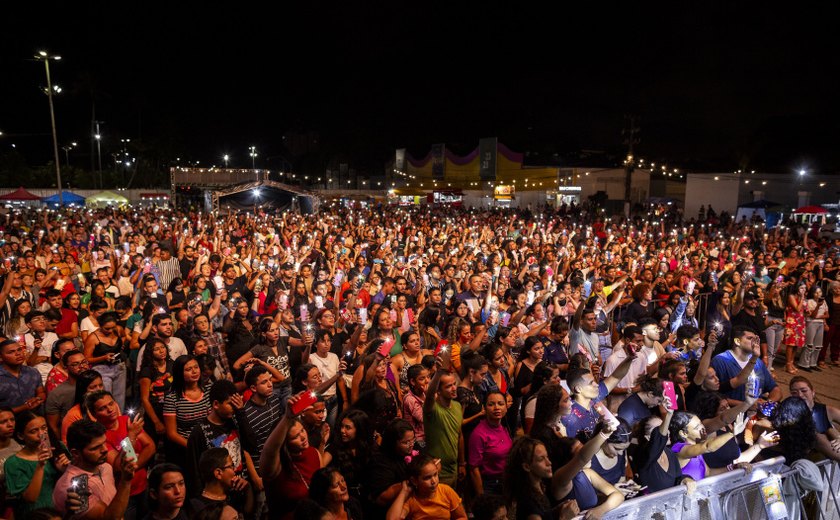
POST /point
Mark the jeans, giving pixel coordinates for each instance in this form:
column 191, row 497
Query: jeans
column 114, row 379
column 774, row 334
column 283, row 392
column 332, row 410
column 813, row 344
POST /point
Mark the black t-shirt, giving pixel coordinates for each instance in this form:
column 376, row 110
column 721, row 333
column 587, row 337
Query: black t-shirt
column 752, row 322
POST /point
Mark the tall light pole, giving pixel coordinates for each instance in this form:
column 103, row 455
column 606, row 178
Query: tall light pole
column 98, row 137
column 253, row 154
column 226, row 158
column 45, row 57
column 67, row 149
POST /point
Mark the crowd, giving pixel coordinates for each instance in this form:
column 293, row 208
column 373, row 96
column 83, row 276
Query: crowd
column 399, row 363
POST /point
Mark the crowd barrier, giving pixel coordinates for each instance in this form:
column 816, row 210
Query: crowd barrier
column 736, row 495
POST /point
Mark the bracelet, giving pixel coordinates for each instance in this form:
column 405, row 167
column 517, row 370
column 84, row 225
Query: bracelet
column 604, row 435
column 730, row 467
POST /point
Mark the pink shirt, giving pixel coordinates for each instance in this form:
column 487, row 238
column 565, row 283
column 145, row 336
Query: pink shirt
column 413, row 413
column 488, row 448
column 101, row 485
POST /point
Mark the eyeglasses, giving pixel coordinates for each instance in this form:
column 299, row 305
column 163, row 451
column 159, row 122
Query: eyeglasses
column 78, row 364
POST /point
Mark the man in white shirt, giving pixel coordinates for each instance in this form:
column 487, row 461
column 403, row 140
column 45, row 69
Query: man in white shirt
column 39, row 343
column 162, row 328
column 633, row 337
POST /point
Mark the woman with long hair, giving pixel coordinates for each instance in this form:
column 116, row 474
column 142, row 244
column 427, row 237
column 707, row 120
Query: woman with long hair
column 383, row 328
column 241, row 332
column 378, row 396
column 176, row 294
column 274, row 351
column 825, row 417
column 16, row 326
column 155, row 380
column 774, row 302
column 329, row 488
column 529, row 357
column 186, row 404
column 287, row 464
column 389, row 468
column 795, row 426
column 411, row 355
column 104, row 351
column 351, row 448
column 816, row 311
column 88, row 381
column 488, row 446
column 794, row 325
column 611, row 461
column 545, row 373
column 32, row 472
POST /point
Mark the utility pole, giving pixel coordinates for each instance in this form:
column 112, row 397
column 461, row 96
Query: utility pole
column 630, row 138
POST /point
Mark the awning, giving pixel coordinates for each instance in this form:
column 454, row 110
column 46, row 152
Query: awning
column 20, row 195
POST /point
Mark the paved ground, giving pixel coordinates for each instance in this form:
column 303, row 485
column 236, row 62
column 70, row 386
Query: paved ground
column 826, row 383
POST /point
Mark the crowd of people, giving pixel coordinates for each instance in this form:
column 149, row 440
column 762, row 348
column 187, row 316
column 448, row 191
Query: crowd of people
column 401, row 363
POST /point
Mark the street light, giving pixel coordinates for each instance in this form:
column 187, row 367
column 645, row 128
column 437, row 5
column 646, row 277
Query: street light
column 253, row 154
column 45, row 57
column 226, row 159
column 67, row 148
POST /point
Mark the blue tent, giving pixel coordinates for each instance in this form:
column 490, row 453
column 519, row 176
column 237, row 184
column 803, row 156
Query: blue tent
column 68, row 198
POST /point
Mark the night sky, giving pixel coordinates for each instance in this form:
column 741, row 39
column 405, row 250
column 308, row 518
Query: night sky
column 717, row 88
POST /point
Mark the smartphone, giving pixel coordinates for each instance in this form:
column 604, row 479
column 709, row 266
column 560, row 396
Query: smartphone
column 304, row 313
column 339, row 276
column 768, row 409
column 128, row 449
column 504, row 318
column 319, row 301
column 79, row 485
column 44, row 440
column 670, row 393
column 385, row 349
column 219, row 281
column 363, row 315
column 607, row 415
column 307, row 399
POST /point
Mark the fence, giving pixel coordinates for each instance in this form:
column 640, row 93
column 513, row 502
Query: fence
column 737, row 494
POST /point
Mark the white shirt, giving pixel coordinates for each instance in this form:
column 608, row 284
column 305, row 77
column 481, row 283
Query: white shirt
column 47, row 341
column 637, row 368
column 328, row 367
column 176, row 350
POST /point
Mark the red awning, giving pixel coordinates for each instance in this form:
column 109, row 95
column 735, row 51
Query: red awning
column 20, row 194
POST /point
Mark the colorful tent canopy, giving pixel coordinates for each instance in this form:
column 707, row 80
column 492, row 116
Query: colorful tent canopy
column 67, row 197
column 811, row 210
column 105, row 198
column 19, row 195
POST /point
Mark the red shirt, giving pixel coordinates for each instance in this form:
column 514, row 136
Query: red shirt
column 292, row 485
column 113, row 439
column 68, row 318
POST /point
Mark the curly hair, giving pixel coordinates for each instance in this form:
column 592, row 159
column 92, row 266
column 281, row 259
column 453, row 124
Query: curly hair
column 795, row 425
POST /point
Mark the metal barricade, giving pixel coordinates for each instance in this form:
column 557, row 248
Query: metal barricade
column 736, row 495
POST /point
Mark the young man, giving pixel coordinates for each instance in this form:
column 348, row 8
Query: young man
column 162, row 328
column 745, row 345
column 261, row 413
column 442, row 417
column 8, row 446
column 107, row 498
column 60, row 399
column 68, row 326
column 219, row 430
column 21, row 387
column 39, row 343
column 219, row 477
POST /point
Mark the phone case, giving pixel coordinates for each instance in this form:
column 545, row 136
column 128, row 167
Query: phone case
column 128, row 449
column 385, row 349
column 45, row 441
column 670, row 393
column 306, row 400
column 80, row 487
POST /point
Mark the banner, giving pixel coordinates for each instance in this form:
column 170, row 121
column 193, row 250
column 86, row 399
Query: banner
column 438, row 154
column 487, row 154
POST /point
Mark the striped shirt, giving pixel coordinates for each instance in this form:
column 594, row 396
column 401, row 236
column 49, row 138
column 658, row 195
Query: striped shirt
column 169, row 270
column 187, row 413
column 256, row 423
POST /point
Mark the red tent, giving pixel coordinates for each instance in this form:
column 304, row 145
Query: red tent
column 20, row 195
column 805, row 210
